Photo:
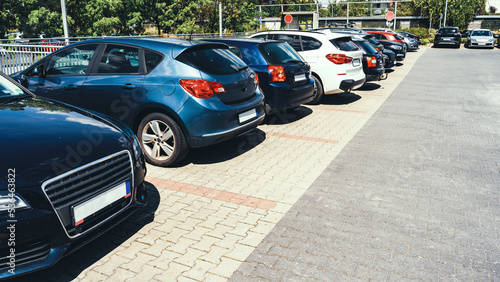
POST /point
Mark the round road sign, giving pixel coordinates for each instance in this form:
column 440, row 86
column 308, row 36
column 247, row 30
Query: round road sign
column 389, row 16
column 288, row 18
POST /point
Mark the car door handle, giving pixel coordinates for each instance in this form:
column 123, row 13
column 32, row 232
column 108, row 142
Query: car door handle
column 128, row 86
column 70, row 87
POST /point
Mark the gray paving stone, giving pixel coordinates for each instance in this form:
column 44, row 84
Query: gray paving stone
column 414, row 195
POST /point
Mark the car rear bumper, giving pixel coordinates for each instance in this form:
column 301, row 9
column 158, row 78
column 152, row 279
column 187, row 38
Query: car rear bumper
column 282, row 96
column 349, row 84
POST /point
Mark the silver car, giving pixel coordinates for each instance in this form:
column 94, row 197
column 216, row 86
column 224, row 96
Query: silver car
column 481, row 38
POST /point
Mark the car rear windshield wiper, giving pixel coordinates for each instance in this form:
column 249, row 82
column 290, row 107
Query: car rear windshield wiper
column 242, row 68
column 293, row 61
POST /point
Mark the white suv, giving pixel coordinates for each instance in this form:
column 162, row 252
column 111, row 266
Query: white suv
column 336, row 62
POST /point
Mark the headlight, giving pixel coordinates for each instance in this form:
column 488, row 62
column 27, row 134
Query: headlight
column 136, row 148
column 9, row 202
column 491, row 40
column 397, row 47
column 473, row 40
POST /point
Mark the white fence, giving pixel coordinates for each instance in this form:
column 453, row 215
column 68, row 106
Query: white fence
column 17, row 57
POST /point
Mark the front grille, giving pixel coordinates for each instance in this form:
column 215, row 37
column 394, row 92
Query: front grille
column 86, row 182
column 26, row 252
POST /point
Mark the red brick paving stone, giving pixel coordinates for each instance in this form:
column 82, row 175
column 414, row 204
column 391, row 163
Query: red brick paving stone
column 212, row 193
column 301, row 137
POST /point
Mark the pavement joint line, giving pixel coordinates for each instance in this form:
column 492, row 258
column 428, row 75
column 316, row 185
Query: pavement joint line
column 215, row 194
column 337, row 110
column 269, row 133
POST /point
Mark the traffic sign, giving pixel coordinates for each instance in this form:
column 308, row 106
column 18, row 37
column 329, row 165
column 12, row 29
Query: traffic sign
column 389, row 16
column 288, row 18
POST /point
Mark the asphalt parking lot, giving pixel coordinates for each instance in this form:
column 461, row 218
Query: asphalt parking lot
column 395, row 181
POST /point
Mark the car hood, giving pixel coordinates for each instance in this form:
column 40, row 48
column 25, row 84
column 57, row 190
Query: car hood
column 482, row 38
column 42, row 139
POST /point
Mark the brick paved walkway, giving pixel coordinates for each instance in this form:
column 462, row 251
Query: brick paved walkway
column 415, row 194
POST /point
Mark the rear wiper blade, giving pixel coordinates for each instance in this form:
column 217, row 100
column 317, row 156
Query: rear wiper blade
column 294, row 61
column 242, row 68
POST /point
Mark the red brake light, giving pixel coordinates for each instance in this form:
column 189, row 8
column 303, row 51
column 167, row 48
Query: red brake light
column 339, row 59
column 371, row 62
column 202, row 88
column 256, row 79
column 277, row 73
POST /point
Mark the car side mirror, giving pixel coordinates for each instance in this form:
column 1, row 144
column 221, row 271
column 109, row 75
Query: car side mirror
column 39, row 71
column 496, row 35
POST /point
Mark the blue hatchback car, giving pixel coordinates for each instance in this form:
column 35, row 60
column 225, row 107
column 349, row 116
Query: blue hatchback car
column 174, row 94
column 284, row 76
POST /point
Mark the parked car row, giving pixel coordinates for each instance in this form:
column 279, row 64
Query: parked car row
column 475, row 38
column 101, row 108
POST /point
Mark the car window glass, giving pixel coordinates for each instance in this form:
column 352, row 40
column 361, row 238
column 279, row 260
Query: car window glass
column 234, row 49
column 344, row 44
column 366, row 47
column 293, row 40
column 251, row 56
column 119, row 59
column 279, row 53
column 73, row 61
column 309, row 43
column 216, row 61
column 152, row 59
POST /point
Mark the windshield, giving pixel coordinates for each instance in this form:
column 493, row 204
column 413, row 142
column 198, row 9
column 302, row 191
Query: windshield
column 481, row 33
column 9, row 89
column 279, row 53
column 448, row 30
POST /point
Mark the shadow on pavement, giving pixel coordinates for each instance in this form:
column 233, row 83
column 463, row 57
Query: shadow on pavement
column 69, row 267
column 369, row 86
column 226, row 150
column 287, row 116
column 340, row 99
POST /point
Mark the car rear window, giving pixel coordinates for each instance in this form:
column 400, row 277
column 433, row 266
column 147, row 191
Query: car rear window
column 279, row 53
column 366, row 47
column 215, row 61
column 344, row 44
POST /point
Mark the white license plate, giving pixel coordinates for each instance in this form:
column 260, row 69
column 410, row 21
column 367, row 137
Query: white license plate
column 248, row 115
column 446, row 38
column 300, row 77
column 481, row 44
column 99, row 202
column 356, row 62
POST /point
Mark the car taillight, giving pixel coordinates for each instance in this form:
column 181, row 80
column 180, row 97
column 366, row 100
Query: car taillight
column 256, row 79
column 371, row 62
column 339, row 59
column 203, row 89
column 277, row 73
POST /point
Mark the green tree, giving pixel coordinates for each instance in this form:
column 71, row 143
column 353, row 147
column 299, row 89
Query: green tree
column 7, row 19
column 459, row 13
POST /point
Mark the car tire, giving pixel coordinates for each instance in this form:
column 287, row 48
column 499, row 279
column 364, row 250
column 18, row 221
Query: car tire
column 318, row 91
column 161, row 140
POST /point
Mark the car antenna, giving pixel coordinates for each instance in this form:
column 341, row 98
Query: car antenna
column 269, row 31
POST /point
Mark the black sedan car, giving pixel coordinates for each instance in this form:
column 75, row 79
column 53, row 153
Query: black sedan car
column 448, row 36
column 395, row 47
column 373, row 64
column 68, row 175
column 283, row 74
